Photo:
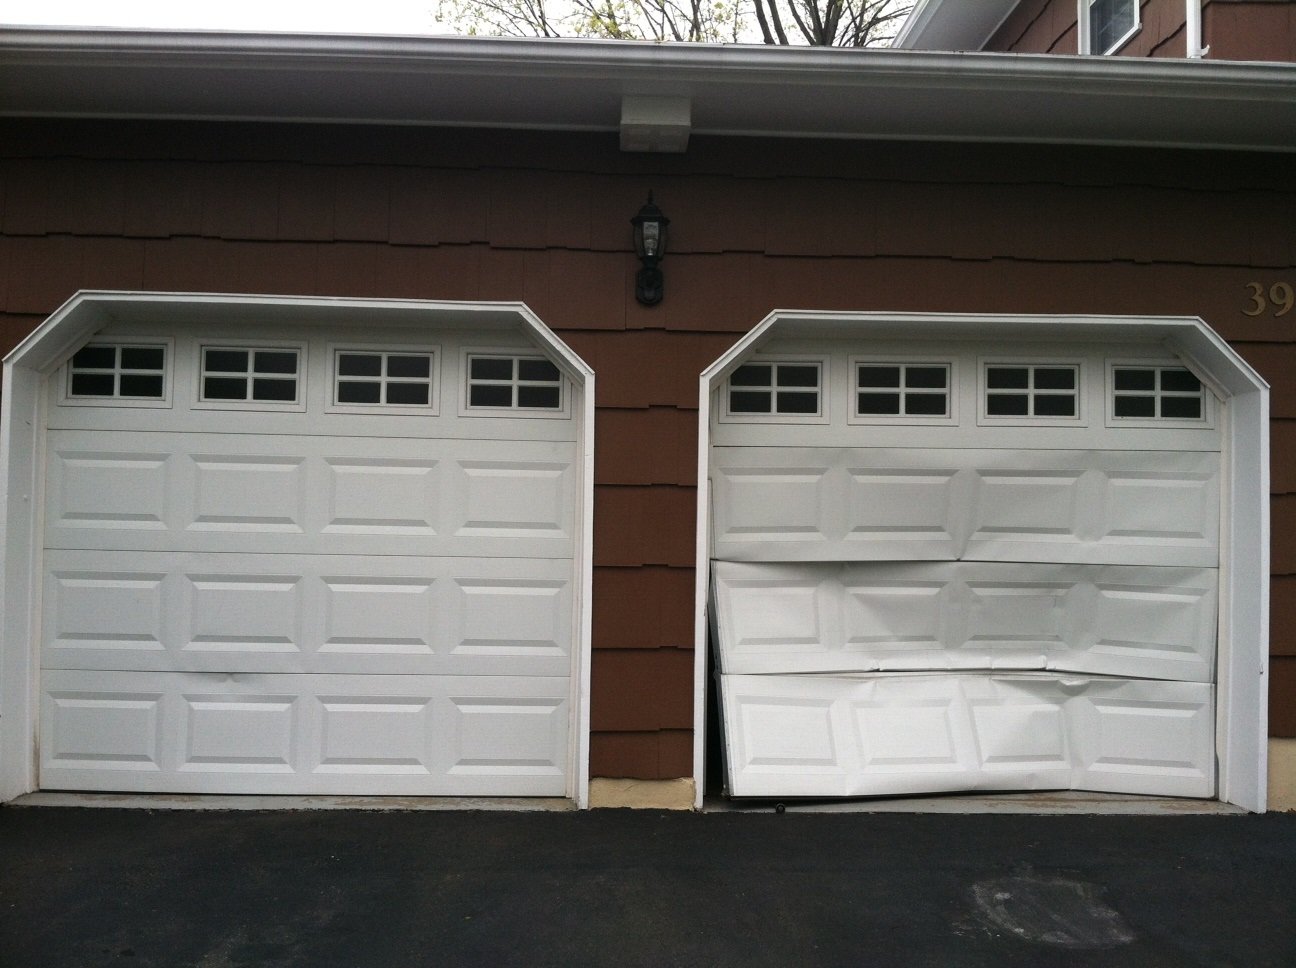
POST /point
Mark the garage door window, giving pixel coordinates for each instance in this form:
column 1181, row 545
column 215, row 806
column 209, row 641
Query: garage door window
column 1015, row 393
column 128, row 374
column 365, row 379
column 1155, row 394
column 902, row 391
column 246, row 376
column 777, row 390
column 526, row 385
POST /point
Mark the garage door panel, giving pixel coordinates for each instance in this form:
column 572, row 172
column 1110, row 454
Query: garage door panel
column 1153, row 622
column 199, row 733
column 310, row 495
column 299, row 613
column 1097, row 507
column 900, row 734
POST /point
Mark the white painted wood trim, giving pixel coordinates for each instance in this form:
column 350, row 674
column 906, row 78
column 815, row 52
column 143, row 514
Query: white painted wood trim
column 1242, row 737
column 21, row 463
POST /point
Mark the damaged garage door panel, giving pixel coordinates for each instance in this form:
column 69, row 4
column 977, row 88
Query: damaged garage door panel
column 820, row 736
column 830, row 617
column 854, row 504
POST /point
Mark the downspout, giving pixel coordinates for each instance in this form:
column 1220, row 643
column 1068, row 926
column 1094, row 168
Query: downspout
column 1193, row 32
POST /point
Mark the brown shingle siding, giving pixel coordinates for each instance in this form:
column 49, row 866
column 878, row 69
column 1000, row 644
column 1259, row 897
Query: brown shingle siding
column 633, row 690
column 624, row 597
column 1282, row 696
column 1282, row 615
column 1262, row 30
column 657, row 755
column 644, row 526
column 657, row 445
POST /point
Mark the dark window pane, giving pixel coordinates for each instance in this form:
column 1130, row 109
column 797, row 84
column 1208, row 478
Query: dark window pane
column 1135, row 379
column 136, row 385
column 490, row 396
column 751, row 375
column 881, row 403
column 925, row 404
column 359, row 364
column 408, row 394
column 541, row 370
column 409, row 366
column 1006, row 404
column 1181, row 408
column 798, row 402
column 747, row 401
column 225, row 361
column 878, row 376
column 277, row 391
column 545, row 398
column 1134, row 407
column 1062, row 405
column 142, row 357
column 1181, row 381
column 95, row 358
column 1054, row 378
column 92, row 384
column 926, row 377
column 1007, row 378
column 492, row 368
column 224, row 388
column 273, row 362
column 354, row 391
column 798, row 376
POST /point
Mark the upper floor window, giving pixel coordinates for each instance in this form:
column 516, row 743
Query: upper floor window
column 1105, row 25
column 118, row 372
column 789, row 389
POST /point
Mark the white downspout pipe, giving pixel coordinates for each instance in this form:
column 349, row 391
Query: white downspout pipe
column 1193, row 32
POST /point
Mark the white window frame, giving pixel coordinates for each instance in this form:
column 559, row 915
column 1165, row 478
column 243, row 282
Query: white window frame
column 1205, row 422
column 165, row 343
column 1085, row 33
column 824, row 390
column 985, row 419
column 468, row 353
column 950, row 419
column 431, row 409
column 251, row 345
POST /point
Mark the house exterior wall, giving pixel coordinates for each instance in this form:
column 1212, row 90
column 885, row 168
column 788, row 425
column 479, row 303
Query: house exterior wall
column 1232, row 29
column 755, row 226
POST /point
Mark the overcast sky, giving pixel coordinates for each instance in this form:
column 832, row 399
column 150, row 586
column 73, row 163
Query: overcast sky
column 361, row 16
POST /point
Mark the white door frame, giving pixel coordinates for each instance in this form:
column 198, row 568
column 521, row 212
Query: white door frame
column 1242, row 692
column 22, row 435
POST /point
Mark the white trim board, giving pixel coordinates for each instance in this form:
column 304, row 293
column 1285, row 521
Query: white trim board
column 1242, row 693
column 30, row 364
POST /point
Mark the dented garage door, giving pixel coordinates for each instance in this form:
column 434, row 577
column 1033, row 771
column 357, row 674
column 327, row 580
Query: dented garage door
column 965, row 569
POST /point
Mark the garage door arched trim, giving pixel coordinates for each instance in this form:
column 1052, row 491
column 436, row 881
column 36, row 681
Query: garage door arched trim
column 1242, row 686
column 28, row 368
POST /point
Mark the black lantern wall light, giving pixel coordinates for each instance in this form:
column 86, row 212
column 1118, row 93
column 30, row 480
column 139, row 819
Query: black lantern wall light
column 650, row 245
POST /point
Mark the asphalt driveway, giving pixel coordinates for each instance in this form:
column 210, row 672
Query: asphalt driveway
column 140, row 888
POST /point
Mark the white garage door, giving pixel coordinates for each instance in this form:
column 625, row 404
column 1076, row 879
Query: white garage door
column 339, row 562
column 970, row 566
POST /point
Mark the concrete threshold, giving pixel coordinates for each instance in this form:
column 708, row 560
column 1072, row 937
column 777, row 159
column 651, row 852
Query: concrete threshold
column 1042, row 802
column 178, row 801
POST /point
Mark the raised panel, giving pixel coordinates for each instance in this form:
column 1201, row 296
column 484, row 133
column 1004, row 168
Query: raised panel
column 814, row 617
column 106, row 491
column 513, row 499
column 510, row 617
column 412, row 735
column 903, row 506
column 368, row 615
column 105, row 612
column 887, row 735
column 248, row 493
column 378, row 496
column 246, row 734
column 242, row 613
column 772, row 505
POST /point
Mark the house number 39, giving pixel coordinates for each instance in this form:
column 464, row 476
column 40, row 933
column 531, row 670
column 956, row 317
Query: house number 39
column 1278, row 299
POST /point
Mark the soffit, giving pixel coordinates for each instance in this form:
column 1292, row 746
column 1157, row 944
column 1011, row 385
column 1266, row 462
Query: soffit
column 580, row 85
column 952, row 24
